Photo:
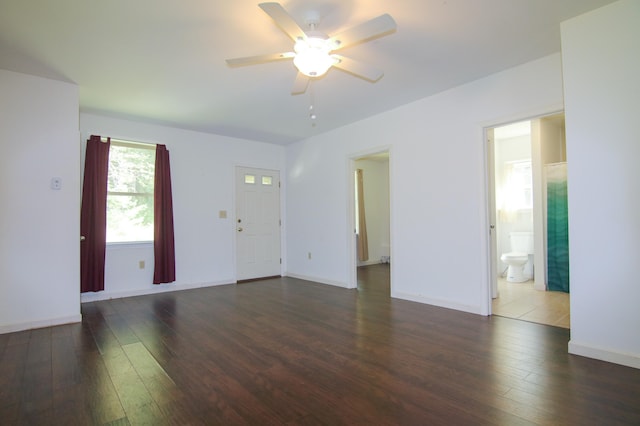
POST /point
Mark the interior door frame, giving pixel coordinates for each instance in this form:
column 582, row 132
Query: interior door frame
column 491, row 200
column 352, row 263
column 489, row 186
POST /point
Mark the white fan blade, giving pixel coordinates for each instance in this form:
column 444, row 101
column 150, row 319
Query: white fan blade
column 377, row 27
column 300, row 85
column 284, row 20
column 357, row 68
column 251, row 60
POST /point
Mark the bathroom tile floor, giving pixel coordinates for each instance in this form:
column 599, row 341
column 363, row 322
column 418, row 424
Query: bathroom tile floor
column 522, row 301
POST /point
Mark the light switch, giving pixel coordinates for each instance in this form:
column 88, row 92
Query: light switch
column 222, row 214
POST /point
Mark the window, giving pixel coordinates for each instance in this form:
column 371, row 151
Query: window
column 250, row 179
column 130, row 192
column 519, row 188
column 267, row 180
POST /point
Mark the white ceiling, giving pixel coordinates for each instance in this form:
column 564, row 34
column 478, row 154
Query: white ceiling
column 163, row 61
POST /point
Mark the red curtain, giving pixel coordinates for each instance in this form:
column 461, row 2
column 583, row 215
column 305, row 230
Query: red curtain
column 163, row 243
column 93, row 215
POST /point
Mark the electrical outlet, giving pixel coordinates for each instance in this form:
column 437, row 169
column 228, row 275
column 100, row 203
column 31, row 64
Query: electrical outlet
column 141, row 264
column 56, row 183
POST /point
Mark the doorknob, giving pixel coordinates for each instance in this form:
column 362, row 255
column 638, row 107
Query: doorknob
column 239, row 229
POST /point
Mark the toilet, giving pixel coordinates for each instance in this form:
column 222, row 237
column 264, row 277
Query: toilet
column 521, row 250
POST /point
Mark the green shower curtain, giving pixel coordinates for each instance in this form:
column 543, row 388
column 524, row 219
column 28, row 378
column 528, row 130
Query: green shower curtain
column 557, row 228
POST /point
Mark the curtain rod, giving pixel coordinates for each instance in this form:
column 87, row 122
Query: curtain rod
column 129, row 143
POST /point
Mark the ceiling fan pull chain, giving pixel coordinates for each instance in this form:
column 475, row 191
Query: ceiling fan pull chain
column 312, row 109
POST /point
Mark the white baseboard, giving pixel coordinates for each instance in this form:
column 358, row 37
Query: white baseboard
column 317, row 280
column 629, row 360
column 160, row 288
column 11, row 328
column 437, row 302
column 539, row 287
column 369, row 263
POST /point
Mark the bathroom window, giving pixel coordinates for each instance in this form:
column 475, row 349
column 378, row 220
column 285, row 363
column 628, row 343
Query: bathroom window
column 519, row 185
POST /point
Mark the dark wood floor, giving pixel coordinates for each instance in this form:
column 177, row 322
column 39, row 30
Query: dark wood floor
column 286, row 351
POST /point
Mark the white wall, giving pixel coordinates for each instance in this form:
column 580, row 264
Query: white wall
column 202, row 175
column 553, row 142
column 601, row 71
column 437, row 176
column 39, row 227
column 376, row 196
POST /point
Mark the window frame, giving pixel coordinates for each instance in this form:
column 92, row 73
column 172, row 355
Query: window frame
column 133, row 145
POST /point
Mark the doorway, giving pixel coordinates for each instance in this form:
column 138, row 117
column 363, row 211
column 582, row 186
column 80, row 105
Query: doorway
column 520, row 157
column 257, row 223
column 371, row 248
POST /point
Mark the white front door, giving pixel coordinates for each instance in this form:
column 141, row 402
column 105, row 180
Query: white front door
column 257, row 223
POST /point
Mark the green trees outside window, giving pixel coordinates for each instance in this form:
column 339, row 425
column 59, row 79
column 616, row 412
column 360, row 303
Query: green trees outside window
column 130, row 193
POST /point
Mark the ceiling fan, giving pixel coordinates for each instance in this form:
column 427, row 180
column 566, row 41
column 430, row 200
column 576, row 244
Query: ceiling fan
column 313, row 50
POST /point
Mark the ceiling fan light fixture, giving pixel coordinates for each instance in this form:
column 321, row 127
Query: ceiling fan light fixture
column 312, row 56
